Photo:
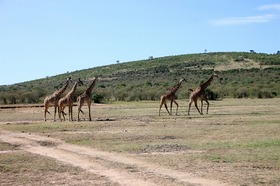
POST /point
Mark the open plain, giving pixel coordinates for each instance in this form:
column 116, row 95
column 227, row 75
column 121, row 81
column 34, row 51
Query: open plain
column 127, row 143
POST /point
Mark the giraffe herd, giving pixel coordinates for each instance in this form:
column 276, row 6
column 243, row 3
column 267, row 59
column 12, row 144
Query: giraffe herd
column 60, row 103
column 198, row 94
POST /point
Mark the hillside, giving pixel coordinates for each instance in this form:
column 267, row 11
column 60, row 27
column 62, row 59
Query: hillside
column 244, row 75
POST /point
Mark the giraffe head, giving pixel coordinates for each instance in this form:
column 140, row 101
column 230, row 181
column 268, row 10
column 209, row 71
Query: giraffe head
column 219, row 79
column 69, row 80
column 182, row 79
column 79, row 81
column 95, row 79
column 215, row 75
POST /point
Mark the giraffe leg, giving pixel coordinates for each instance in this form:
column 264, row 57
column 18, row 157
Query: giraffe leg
column 78, row 115
column 63, row 114
column 171, row 104
column 177, row 106
column 69, row 113
column 61, row 111
column 46, row 105
column 45, row 114
column 201, row 106
column 89, row 112
column 159, row 108
column 207, row 106
column 81, row 102
column 79, row 107
column 195, row 104
column 161, row 103
column 55, row 110
column 167, row 109
column 190, row 104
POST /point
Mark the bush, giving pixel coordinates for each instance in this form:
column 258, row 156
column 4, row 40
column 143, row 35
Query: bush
column 212, row 95
column 265, row 94
column 241, row 93
column 98, row 98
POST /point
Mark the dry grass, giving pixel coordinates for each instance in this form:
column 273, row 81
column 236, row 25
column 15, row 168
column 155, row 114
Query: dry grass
column 21, row 168
column 238, row 142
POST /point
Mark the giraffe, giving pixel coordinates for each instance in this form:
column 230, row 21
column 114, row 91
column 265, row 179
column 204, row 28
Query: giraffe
column 170, row 95
column 86, row 98
column 68, row 100
column 54, row 98
column 200, row 94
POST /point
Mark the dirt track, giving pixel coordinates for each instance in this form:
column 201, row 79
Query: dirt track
column 122, row 169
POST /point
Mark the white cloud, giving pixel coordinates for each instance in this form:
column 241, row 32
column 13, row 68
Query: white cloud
column 250, row 19
column 270, row 7
column 243, row 20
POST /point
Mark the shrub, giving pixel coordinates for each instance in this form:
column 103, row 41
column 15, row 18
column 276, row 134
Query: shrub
column 241, row 93
column 265, row 94
column 97, row 98
column 212, row 95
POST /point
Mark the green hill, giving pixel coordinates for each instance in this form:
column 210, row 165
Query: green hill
column 244, row 75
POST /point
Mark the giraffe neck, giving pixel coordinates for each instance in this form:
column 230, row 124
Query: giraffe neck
column 176, row 88
column 62, row 89
column 207, row 83
column 73, row 90
column 89, row 90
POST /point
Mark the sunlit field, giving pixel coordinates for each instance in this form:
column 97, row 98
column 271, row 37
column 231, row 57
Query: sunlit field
column 238, row 142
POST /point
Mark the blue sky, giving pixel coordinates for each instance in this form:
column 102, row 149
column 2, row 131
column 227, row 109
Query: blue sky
column 40, row 38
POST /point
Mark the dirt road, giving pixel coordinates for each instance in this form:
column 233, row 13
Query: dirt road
column 122, row 169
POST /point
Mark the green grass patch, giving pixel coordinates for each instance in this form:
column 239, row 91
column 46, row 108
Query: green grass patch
column 275, row 143
column 260, row 150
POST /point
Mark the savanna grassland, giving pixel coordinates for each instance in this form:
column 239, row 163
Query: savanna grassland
column 128, row 143
column 237, row 143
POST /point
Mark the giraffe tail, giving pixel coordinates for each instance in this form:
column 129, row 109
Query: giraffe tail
column 48, row 112
column 82, row 112
column 191, row 90
column 63, row 113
